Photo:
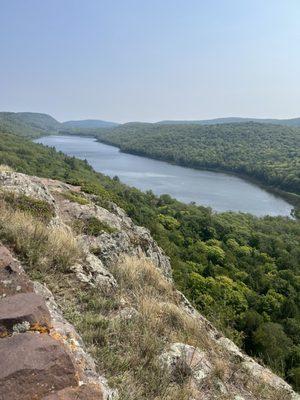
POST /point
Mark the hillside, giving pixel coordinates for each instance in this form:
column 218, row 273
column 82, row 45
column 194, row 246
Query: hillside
column 240, row 271
column 91, row 311
column 28, row 124
column 232, row 120
column 33, row 125
column 88, row 124
column 268, row 153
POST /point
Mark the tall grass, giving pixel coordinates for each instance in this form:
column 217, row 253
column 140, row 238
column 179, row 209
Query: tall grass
column 128, row 350
column 38, row 244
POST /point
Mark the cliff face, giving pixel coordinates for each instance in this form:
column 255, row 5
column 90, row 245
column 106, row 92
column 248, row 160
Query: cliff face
column 88, row 309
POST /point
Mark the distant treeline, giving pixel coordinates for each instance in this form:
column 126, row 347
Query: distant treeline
column 268, row 153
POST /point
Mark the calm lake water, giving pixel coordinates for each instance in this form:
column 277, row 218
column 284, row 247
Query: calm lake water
column 222, row 192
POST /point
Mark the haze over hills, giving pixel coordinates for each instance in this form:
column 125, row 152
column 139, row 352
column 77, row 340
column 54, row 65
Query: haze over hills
column 33, row 124
column 232, row 120
column 89, row 124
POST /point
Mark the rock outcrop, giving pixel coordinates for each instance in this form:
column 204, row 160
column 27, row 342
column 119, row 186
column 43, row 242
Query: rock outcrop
column 42, row 355
column 33, row 365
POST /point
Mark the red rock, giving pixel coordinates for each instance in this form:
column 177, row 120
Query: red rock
column 12, row 276
column 5, row 257
column 32, row 365
column 23, row 307
column 84, row 392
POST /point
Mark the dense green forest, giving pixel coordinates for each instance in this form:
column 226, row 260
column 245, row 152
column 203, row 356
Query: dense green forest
column 268, row 153
column 33, row 125
column 28, row 124
column 242, row 272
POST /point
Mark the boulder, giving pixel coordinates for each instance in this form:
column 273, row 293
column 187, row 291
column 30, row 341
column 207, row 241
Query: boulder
column 93, row 272
column 5, row 257
column 23, row 307
column 32, row 365
column 186, row 362
column 27, row 185
column 12, row 276
column 85, row 365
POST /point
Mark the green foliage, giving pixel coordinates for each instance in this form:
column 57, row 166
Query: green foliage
column 38, row 208
column 269, row 153
column 92, row 226
column 272, row 343
column 28, row 124
column 75, row 197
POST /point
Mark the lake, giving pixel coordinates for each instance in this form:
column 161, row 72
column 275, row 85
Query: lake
column 221, row 192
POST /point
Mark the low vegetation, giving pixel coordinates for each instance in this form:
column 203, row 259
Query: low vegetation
column 44, row 248
column 91, row 226
column 128, row 349
column 75, row 197
column 38, row 208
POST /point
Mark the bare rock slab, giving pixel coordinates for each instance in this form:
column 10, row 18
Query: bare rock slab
column 24, row 307
column 84, row 392
column 33, row 365
column 12, row 276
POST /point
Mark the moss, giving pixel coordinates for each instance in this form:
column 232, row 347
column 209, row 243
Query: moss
column 75, row 197
column 37, row 208
column 92, row 227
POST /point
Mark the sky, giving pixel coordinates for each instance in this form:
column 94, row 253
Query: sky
column 150, row 60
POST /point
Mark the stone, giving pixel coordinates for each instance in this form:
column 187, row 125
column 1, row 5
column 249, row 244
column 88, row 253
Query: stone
column 231, row 348
column 23, row 307
column 32, row 365
column 27, row 185
column 136, row 242
column 125, row 314
column 83, row 392
column 12, row 276
column 61, row 328
column 5, row 257
column 264, row 375
column 185, row 361
column 93, row 272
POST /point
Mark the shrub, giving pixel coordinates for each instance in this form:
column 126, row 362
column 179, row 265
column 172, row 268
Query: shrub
column 75, row 197
column 38, row 208
column 92, row 226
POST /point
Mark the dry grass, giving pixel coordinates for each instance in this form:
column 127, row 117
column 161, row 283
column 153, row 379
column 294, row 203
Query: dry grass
column 41, row 246
column 128, row 350
column 5, row 168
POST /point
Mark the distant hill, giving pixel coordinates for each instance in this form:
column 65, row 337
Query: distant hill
column 269, row 153
column 28, row 124
column 232, row 120
column 88, row 124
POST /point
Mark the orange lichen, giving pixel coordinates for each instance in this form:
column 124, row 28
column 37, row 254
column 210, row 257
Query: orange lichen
column 3, row 334
column 39, row 328
column 57, row 336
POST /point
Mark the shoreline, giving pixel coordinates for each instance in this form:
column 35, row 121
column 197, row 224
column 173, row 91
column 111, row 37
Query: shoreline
column 291, row 198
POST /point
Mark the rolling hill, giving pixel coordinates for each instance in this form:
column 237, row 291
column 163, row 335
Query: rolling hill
column 88, row 124
column 234, row 120
column 28, row 124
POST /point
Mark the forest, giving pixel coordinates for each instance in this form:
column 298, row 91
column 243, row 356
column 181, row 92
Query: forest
column 268, row 153
column 242, row 272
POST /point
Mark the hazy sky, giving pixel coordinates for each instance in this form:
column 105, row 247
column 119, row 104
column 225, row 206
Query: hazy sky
column 126, row 60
